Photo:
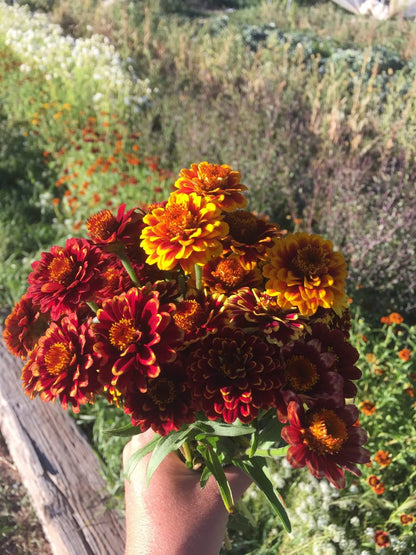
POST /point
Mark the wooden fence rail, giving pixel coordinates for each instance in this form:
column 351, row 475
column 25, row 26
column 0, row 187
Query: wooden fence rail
column 59, row 470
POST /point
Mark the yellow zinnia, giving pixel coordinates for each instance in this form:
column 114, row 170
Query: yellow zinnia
column 186, row 231
column 305, row 272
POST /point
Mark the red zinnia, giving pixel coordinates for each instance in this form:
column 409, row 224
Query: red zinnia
column 106, row 229
column 233, row 375
column 136, row 334
column 165, row 405
column 345, row 356
column 64, row 364
column 66, row 276
column 325, row 439
column 23, row 327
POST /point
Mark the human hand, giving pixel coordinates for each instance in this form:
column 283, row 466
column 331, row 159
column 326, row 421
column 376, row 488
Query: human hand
column 173, row 515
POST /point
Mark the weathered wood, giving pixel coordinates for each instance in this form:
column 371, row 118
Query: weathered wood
column 59, row 470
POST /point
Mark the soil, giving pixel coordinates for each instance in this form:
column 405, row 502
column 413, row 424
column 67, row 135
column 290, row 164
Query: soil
column 20, row 531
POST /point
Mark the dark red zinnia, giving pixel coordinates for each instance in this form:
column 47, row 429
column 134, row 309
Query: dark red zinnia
column 65, row 277
column 326, row 440
column 106, row 229
column 233, row 375
column 165, row 405
column 136, row 334
column 345, row 356
column 308, row 376
column 227, row 275
column 23, row 327
column 381, row 538
column 64, row 364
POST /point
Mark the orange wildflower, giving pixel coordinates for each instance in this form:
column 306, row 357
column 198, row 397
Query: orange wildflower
column 404, row 354
column 368, row 408
column 382, row 458
column 396, row 318
column 409, row 391
column 406, row 519
column 381, row 538
column 376, row 484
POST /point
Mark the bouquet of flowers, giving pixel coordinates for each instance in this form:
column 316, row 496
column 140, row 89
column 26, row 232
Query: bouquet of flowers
column 205, row 322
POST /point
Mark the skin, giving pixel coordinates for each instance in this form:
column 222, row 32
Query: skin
column 173, row 515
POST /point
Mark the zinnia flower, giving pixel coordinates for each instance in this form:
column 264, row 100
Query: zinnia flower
column 306, row 273
column 309, row 376
column 345, row 356
column 136, row 334
column 252, row 309
column 233, row 375
column 23, row 327
column 219, row 184
column 104, row 228
column 381, row 539
column 226, row 275
column 325, row 439
column 166, row 403
column 187, row 231
column 64, row 364
column 66, row 276
column 249, row 237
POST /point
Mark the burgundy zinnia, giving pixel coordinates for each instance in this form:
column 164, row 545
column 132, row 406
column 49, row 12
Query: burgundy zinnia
column 23, row 327
column 165, row 405
column 233, row 375
column 66, row 276
column 64, row 365
column 136, row 334
column 326, row 440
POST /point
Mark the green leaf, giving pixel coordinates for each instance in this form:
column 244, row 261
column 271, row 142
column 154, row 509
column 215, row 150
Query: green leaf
column 255, row 469
column 135, row 458
column 166, row 445
column 206, row 473
column 272, row 452
column 220, row 429
column 124, row 431
column 214, row 465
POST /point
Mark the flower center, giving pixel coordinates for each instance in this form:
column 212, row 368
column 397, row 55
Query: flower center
column 311, row 260
column 229, row 273
column 230, row 362
column 178, row 220
column 212, row 176
column 326, row 433
column 301, row 373
column 161, row 391
column 243, row 226
column 57, row 358
column 61, row 270
column 101, row 225
column 189, row 315
column 122, row 333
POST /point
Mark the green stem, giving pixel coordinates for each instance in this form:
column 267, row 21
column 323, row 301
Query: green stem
column 186, row 451
column 129, row 268
column 93, row 306
column 280, row 452
column 198, row 277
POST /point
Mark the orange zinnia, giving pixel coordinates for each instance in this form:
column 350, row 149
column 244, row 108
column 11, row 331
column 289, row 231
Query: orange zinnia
column 368, row 408
column 186, row 231
column 219, row 184
column 382, row 458
column 305, row 272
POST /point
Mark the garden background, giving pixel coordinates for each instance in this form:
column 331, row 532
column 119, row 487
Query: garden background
column 104, row 102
